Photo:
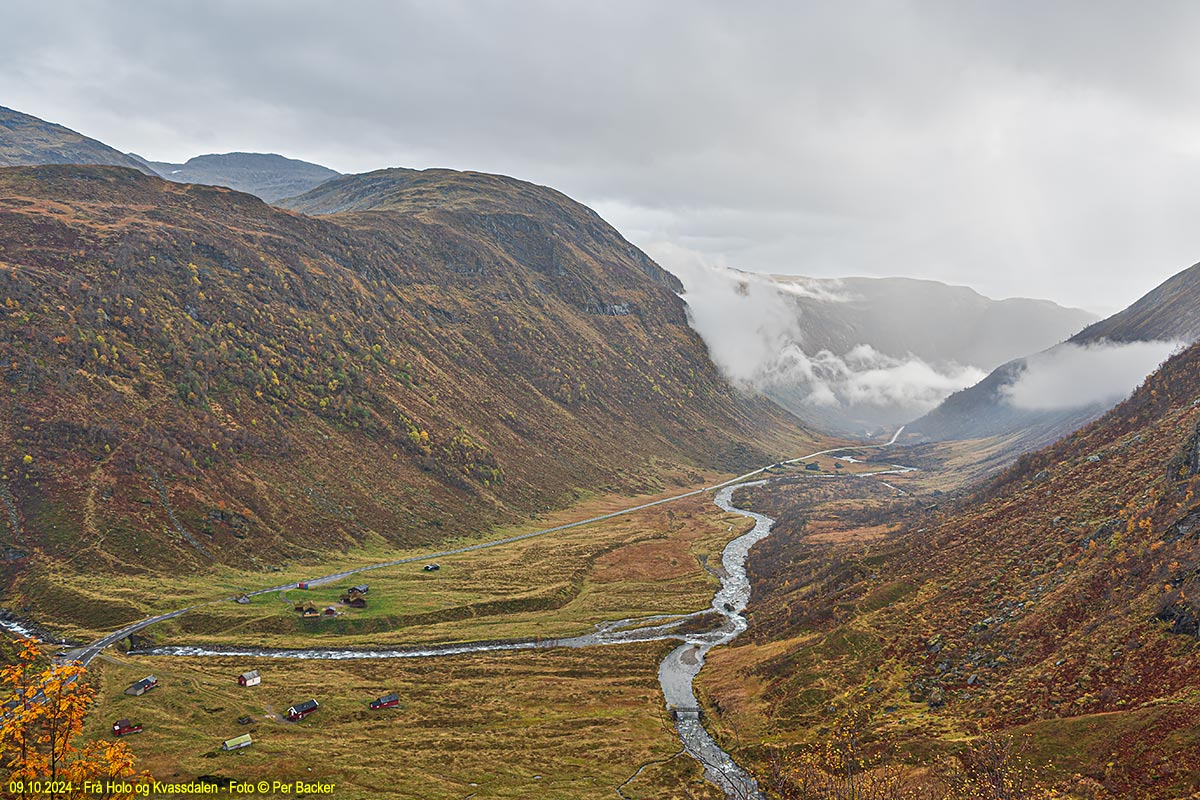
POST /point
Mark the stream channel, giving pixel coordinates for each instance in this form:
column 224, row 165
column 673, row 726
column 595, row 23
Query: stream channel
column 675, row 674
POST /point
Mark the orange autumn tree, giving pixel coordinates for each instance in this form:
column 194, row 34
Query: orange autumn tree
column 42, row 709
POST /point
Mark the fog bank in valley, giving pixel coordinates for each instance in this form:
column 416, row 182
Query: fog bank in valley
column 1077, row 376
column 856, row 354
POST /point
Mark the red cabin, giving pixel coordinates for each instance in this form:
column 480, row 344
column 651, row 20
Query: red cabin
column 387, row 701
column 302, row 710
column 124, row 726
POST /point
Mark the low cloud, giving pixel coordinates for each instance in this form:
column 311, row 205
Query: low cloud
column 756, row 336
column 866, row 377
column 1077, row 376
column 742, row 317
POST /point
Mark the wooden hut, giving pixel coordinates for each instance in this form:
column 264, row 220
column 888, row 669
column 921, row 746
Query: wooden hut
column 302, row 710
column 237, row 742
column 251, row 678
column 141, row 687
column 387, row 701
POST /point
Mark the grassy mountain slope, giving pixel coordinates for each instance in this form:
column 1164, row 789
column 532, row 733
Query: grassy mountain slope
column 1171, row 312
column 1058, row 602
column 535, row 225
column 27, row 141
column 264, row 175
column 195, row 377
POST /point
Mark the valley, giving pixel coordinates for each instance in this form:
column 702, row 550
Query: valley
column 1050, row 606
column 448, row 441
column 680, row 664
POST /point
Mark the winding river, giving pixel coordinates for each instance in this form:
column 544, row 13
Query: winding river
column 676, row 673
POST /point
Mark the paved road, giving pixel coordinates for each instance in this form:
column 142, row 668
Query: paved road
column 85, row 654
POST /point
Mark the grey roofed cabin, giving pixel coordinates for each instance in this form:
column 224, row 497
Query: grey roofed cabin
column 362, row 588
column 141, row 687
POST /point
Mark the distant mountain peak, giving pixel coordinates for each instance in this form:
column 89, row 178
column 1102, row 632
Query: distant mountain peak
column 1039, row 398
column 269, row 176
column 27, row 141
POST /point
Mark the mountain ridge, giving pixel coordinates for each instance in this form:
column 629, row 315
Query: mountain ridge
column 189, row 360
column 1169, row 312
column 26, row 140
column 268, row 176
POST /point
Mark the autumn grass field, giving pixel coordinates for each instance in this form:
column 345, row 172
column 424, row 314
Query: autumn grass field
column 547, row 723
column 552, row 723
column 567, row 724
column 649, row 562
column 538, row 574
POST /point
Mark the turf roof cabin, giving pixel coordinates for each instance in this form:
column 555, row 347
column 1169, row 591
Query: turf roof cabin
column 237, row 742
column 141, row 687
column 308, row 609
column 354, row 598
column 251, row 678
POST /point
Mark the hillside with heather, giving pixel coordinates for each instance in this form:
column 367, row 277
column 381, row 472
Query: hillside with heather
column 1057, row 604
column 195, row 378
column 26, row 140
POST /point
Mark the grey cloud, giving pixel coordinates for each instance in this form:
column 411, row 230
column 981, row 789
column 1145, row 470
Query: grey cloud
column 1077, row 376
column 1024, row 149
column 763, row 341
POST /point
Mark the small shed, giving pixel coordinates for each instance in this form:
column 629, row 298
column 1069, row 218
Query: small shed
column 330, row 611
column 311, row 611
column 387, row 701
column 243, row 599
column 362, row 588
column 251, row 678
column 357, row 601
column 302, row 710
column 123, row 727
column 237, row 742
column 141, row 687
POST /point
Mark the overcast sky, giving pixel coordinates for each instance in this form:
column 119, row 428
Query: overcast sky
column 1022, row 148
